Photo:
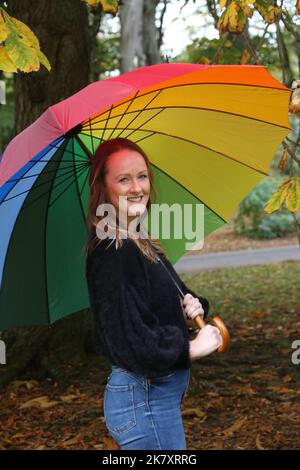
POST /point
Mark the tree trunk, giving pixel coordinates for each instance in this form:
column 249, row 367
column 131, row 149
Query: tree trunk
column 131, row 17
column 150, row 33
column 62, row 28
column 139, row 36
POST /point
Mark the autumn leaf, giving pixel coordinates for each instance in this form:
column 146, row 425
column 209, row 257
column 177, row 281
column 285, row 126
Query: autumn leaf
column 298, row 7
column 283, row 159
column 269, row 13
column 108, row 6
column 236, row 426
column 258, row 443
column 194, row 412
column 20, row 49
column 234, row 18
column 278, row 198
column 3, row 28
column 6, row 64
column 293, row 197
column 245, row 57
column 40, row 402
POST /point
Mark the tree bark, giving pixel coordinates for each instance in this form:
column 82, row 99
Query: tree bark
column 62, row 29
column 139, row 36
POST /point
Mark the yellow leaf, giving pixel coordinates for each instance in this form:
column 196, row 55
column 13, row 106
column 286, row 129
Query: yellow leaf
column 43, row 60
column 22, row 46
column 23, row 56
column 204, row 60
column 245, row 57
column 6, row 64
column 293, row 197
column 108, row 6
column 233, row 17
column 287, row 378
column 3, row 28
column 277, row 199
column 25, row 34
column 222, row 3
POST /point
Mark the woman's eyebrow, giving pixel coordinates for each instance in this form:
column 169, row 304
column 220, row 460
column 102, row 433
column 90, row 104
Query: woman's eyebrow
column 128, row 174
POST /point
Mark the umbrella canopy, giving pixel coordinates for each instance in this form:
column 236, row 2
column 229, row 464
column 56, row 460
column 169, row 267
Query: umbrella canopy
column 210, row 132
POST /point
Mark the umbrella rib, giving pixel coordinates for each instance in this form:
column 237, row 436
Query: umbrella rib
column 82, row 188
column 123, row 114
column 190, row 192
column 53, row 186
column 139, row 112
column 92, row 142
column 76, row 154
column 106, row 122
column 84, row 147
column 137, row 128
column 45, row 171
column 202, row 146
column 191, row 84
column 45, row 248
column 200, row 108
column 34, row 162
column 77, row 188
column 69, row 173
column 65, row 189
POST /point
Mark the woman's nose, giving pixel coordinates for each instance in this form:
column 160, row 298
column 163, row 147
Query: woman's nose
column 135, row 186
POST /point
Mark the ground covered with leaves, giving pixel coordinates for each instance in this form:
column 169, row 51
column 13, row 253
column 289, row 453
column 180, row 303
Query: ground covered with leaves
column 248, row 398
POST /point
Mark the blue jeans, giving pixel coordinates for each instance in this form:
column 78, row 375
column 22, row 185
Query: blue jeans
column 142, row 413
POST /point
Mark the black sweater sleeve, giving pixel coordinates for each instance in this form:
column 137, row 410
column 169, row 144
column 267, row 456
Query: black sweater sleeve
column 126, row 325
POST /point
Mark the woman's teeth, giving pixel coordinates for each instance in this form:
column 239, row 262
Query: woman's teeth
column 135, row 199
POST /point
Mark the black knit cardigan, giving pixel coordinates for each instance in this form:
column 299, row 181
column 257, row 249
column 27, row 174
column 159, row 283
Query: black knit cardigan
column 139, row 322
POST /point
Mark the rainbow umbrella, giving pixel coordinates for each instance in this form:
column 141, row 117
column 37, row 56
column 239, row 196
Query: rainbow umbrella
column 210, row 132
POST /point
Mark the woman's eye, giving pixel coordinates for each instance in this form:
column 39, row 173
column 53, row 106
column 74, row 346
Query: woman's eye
column 123, row 179
column 143, row 176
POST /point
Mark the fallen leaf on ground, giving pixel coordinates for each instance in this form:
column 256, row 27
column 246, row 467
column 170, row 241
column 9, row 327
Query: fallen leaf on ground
column 40, row 402
column 236, row 426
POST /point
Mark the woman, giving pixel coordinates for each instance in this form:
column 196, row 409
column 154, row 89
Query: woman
column 140, row 321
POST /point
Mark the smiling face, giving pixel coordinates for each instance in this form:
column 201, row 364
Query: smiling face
column 127, row 175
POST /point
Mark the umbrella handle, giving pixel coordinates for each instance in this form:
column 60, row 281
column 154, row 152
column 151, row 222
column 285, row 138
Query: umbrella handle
column 222, row 328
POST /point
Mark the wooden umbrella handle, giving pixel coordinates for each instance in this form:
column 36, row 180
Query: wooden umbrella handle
column 222, row 328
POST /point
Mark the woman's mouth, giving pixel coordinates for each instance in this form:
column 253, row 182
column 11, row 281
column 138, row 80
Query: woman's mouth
column 135, row 199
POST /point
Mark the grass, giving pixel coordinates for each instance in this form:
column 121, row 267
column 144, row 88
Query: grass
column 270, row 290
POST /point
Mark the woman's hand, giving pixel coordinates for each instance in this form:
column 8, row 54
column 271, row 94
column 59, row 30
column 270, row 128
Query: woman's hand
column 206, row 342
column 191, row 307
